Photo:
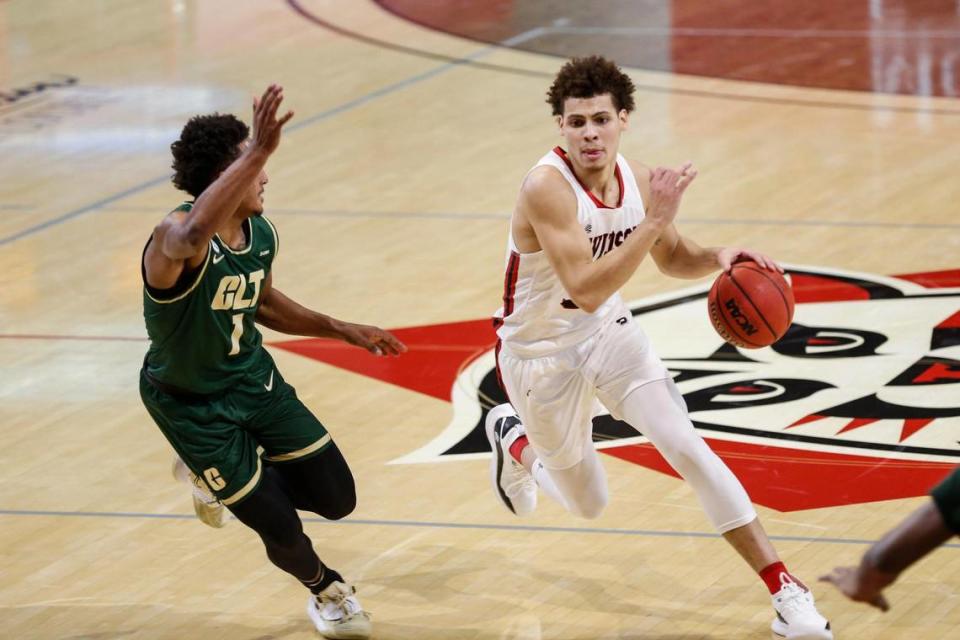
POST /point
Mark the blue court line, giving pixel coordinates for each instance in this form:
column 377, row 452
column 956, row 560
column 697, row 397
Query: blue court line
column 82, row 210
column 461, row 215
column 648, row 533
column 347, row 106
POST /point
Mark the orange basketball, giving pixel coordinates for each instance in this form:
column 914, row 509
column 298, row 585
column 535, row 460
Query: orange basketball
column 750, row 306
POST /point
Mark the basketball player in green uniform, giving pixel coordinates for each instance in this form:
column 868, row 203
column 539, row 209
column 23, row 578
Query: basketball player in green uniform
column 921, row 532
column 207, row 380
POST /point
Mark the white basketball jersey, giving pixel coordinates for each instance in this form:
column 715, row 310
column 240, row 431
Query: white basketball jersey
column 538, row 317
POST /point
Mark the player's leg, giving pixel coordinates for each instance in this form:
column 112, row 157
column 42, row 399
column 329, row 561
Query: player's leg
column 210, row 441
column 580, row 488
column 270, row 511
column 657, row 410
column 633, row 384
column 216, row 448
column 321, row 483
column 308, row 470
column 208, row 444
column 299, row 452
column 549, row 438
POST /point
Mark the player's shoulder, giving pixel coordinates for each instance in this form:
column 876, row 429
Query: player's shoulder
column 547, row 196
column 545, row 182
column 177, row 215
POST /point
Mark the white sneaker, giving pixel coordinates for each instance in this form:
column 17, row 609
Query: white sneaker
column 337, row 614
column 209, row 510
column 797, row 615
column 512, row 483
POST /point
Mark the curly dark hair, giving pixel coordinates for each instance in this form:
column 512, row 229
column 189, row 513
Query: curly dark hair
column 589, row 77
column 208, row 144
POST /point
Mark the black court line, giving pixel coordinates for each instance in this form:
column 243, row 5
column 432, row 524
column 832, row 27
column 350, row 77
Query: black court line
column 298, row 7
column 646, row 533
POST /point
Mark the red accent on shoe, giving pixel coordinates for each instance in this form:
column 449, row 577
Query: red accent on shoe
column 771, row 577
column 516, row 449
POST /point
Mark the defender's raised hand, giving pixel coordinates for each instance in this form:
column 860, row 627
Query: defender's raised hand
column 266, row 125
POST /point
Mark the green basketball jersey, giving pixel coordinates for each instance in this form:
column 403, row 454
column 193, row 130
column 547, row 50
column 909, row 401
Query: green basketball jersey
column 203, row 338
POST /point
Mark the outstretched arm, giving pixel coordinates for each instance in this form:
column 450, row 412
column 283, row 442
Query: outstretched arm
column 922, row 532
column 280, row 313
column 181, row 237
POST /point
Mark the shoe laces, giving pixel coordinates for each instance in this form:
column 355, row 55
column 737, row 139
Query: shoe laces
column 792, row 599
column 340, row 596
column 521, row 481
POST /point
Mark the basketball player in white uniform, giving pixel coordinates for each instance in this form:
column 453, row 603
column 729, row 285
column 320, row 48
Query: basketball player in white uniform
column 584, row 221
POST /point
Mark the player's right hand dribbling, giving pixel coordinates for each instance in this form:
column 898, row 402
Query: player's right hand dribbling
column 266, row 125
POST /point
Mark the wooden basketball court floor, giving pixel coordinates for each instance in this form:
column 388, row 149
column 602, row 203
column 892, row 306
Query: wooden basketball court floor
column 391, row 191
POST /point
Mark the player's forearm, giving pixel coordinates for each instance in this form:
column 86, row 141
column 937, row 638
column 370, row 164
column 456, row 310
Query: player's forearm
column 922, row 532
column 215, row 205
column 690, row 260
column 602, row 278
column 280, row 313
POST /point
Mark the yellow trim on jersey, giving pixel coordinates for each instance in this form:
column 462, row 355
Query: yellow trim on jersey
column 276, row 238
column 247, row 488
column 249, row 222
column 293, row 455
column 183, row 295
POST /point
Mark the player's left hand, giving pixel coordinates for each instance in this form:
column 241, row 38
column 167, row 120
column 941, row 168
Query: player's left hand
column 861, row 585
column 375, row 340
column 729, row 256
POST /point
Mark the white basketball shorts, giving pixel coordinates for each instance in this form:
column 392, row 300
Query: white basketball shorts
column 557, row 396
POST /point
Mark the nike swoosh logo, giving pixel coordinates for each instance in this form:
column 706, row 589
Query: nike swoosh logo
column 269, row 385
column 218, row 258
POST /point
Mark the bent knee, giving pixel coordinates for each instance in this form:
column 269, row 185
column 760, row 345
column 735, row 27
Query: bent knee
column 589, row 509
column 339, row 511
column 339, row 507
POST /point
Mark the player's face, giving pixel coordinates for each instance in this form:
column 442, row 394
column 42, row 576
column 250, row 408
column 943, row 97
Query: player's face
column 592, row 128
column 253, row 199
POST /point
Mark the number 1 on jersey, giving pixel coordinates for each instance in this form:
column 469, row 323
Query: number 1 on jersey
column 237, row 332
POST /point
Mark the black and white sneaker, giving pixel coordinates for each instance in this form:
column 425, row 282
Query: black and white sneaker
column 512, row 483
